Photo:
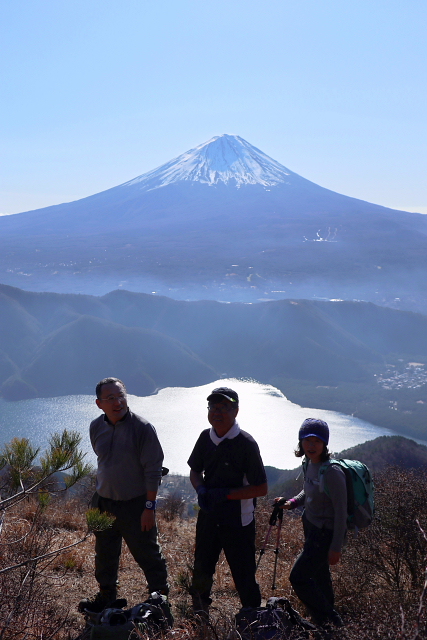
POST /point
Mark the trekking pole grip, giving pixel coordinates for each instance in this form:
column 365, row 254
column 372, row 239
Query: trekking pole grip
column 276, row 513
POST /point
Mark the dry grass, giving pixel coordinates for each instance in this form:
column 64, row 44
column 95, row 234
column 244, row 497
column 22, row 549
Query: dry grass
column 40, row 602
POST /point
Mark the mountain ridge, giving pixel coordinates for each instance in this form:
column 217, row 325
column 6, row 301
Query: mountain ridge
column 321, row 343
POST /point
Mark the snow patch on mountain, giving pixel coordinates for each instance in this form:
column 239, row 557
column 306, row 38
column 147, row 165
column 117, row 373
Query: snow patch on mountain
column 225, row 158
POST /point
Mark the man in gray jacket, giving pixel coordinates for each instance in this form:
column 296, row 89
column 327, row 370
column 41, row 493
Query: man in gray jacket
column 129, row 471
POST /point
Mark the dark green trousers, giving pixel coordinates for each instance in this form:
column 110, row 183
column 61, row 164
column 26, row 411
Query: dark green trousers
column 143, row 545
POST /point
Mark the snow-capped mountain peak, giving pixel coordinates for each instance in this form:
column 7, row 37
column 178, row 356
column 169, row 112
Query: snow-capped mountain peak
column 225, row 158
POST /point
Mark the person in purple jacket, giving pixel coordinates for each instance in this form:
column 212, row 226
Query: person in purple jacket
column 324, row 521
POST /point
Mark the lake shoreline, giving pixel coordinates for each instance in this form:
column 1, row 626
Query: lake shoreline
column 373, row 410
column 179, row 415
column 335, row 399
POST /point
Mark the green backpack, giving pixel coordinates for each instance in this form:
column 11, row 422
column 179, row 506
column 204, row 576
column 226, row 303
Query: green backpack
column 360, row 490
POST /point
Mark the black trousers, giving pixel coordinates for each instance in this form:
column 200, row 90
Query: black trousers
column 310, row 576
column 143, row 545
column 238, row 544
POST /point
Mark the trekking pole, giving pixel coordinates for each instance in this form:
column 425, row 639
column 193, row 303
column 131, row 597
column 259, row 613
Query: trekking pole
column 262, row 550
column 272, row 522
column 276, row 551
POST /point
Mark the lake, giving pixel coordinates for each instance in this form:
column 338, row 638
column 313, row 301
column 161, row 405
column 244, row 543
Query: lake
column 179, row 415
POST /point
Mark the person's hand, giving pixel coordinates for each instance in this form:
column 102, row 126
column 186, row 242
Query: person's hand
column 334, row 557
column 148, row 519
column 282, row 503
column 202, row 498
column 218, row 495
column 208, row 498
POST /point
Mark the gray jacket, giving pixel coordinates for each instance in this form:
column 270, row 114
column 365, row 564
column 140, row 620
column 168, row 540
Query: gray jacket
column 129, row 455
column 321, row 510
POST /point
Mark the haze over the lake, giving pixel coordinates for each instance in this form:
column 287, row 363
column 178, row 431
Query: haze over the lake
column 179, row 415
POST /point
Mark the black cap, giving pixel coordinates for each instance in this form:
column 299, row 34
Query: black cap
column 225, row 392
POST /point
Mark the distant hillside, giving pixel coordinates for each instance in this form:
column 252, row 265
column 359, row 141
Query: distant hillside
column 385, row 451
column 20, row 330
column 320, row 354
column 72, row 358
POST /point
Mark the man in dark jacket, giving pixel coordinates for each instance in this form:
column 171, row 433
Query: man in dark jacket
column 228, row 474
column 129, row 471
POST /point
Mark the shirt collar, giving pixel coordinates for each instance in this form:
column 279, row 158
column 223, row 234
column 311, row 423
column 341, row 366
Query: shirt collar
column 120, row 421
column 231, row 433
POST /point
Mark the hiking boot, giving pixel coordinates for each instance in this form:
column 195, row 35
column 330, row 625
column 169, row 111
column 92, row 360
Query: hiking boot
column 326, row 620
column 104, row 598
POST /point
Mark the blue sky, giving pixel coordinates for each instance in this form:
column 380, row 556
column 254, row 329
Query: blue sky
column 94, row 93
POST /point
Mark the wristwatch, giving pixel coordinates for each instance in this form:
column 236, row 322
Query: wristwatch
column 151, row 505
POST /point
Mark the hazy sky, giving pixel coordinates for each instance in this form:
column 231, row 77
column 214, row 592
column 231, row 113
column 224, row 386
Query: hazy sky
column 94, row 93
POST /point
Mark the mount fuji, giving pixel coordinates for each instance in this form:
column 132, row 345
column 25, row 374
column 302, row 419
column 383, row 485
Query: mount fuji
column 221, row 221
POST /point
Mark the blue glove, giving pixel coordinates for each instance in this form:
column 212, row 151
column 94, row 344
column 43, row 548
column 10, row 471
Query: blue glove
column 208, row 498
column 218, row 495
column 202, row 498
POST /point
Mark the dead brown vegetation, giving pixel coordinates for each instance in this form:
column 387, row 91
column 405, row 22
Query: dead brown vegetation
column 380, row 584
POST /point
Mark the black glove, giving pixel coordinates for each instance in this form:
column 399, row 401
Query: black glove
column 280, row 502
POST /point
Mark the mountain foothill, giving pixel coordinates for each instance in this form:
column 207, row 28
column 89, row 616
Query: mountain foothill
column 61, row 344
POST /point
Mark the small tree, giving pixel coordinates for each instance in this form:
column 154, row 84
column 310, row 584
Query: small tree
column 383, row 570
column 24, row 479
column 172, row 506
column 28, row 549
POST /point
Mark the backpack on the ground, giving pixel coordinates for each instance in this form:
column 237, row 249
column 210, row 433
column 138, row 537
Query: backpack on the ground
column 276, row 620
column 150, row 617
column 360, row 490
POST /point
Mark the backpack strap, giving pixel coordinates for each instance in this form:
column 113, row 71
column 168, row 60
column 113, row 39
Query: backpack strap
column 348, row 481
column 322, row 474
column 321, row 477
column 305, row 462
